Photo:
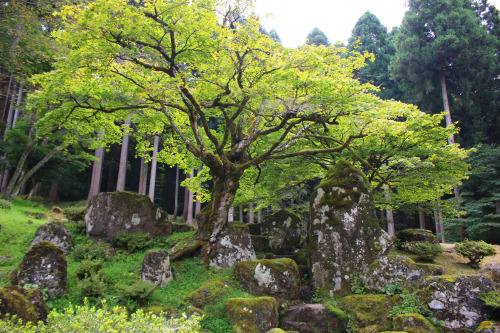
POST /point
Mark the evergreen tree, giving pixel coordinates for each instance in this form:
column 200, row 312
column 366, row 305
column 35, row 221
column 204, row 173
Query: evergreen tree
column 443, row 46
column 369, row 35
column 317, row 37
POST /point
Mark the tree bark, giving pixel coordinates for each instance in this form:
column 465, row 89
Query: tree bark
column 198, row 201
column 230, row 215
column 189, row 218
column 10, row 113
column 240, row 208
column 391, row 230
column 122, row 169
column 176, row 193
column 19, row 99
column 95, row 183
column 251, row 207
column 421, row 218
column 53, row 192
column 143, row 177
column 446, row 105
column 259, row 214
column 186, row 202
column 152, row 178
column 441, row 226
column 4, row 109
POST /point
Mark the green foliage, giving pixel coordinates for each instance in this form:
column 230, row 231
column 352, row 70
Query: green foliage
column 92, row 286
column 358, row 285
column 88, row 267
column 133, row 242
column 426, row 251
column 475, row 251
column 89, row 319
column 491, row 299
column 410, row 303
column 317, row 37
column 92, row 250
column 76, row 213
column 4, row 204
column 139, row 291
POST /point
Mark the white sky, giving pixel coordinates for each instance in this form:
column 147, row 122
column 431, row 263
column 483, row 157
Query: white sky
column 294, row 19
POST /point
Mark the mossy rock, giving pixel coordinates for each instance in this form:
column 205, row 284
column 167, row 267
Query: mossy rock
column 314, row 318
column 344, row 236
column 210, row 292
column 416, row 235
column 278, row 278
column 370, row 312
column 185, row 249
column 413, row 323
column 155, row 268
column 181, row 227
column 44, row 266
column 455, row 300
column 26, row 304
column 488, row 326
column 234, row 244
column 56, row 233
column 252, row 315
column 260, row 243
column 283, row 230
column 111, row 213
column 400, row 271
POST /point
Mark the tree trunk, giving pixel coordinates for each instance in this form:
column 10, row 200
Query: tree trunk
column 421, row 218
column 122, row 169
column 176, row 193
column 10, row 113
column 54, row 191
column 446, row 105
column 152, row 178
column 240, row 207
column 143, row 177
column 186, row 202
column 189, row 218
column 251, row 218
column 259, row 214
column 441, row 226
column 4, row 109
column 230, row 215
column 436, row 222
column 95, row 183
column 390, row 217
column 198, row 201
column 19, row 99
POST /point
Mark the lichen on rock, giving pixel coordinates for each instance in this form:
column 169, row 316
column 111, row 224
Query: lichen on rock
column 155, row 268
column 283, row 230
column 278, row 278
column 56, row 233
column 252, row 315
column 233, row 245
column 344, row 234
column 210, row 292
column 413, row 323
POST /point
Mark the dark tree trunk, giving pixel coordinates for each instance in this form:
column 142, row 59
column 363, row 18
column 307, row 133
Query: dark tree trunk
column 186, row 202
column 421, row 218
column 176, row 193
column 122, row 169
column 152, row 178
column 250, row 212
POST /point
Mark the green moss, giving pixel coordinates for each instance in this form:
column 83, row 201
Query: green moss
column 341, row 315
column 413, row 323
column 210, row 292
column 14, row 302
column 251, row 315
column 370, row 310
column 237, row 224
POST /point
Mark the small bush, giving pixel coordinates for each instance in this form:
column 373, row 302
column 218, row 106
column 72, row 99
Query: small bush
column 93, row 286
column 410, row 303
column 4, row 204
column 139, row 291
column 74, row 213
column 427, row 251
column 88, row 267
column 86, row 319
column 90, row 251
column 133, row 242
column 475, row 251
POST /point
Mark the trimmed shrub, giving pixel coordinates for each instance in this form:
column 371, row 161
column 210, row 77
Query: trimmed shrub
column 4, row 204
column 74, row 213
column 475, row 251
column 427, row 251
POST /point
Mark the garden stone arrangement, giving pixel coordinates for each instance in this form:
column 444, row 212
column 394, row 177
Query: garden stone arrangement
column 340, row 254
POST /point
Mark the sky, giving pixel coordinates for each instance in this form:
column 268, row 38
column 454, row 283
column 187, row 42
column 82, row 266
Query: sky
column 294, row 19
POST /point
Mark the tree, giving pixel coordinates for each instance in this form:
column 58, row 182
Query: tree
column 188, row 67
column 317, row 37
column 444, row 55
column 369, row 35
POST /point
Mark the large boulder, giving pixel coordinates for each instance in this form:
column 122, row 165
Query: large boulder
column 252, row 315
column 56, row 233
column 416, row 235
column 110, row 213
column 156, row 269
column 283, row 230
column 43, row 267
column 233, row 245
column 400, row 271
column 413, row 323
column 370, row 313
column 344, row 234
column 26, row 304
column 209, row 293
column 278, row 278
column 455, row 302
column 314, row 318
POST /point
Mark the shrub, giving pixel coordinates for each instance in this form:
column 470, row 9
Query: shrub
column 475, row 251
column 74, row 213
column 139, row 291
column 491, row 299
column 133, row 242
column 410, row 303
column 90, row 251
column 88, row 267
column 93, row 286
column 427, row 251
column 86, row 319
column 4, row 204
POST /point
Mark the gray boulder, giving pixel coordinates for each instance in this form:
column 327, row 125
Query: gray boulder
column 56, row 233
column 110, row 213
column 313, row 318
column 252, row 315
column 43, row 267
column 400, row 271
column 344, row 234
column 454, row 300
column 156, row 269
column 233, row 245
column 283, row 230
column 278, row 278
